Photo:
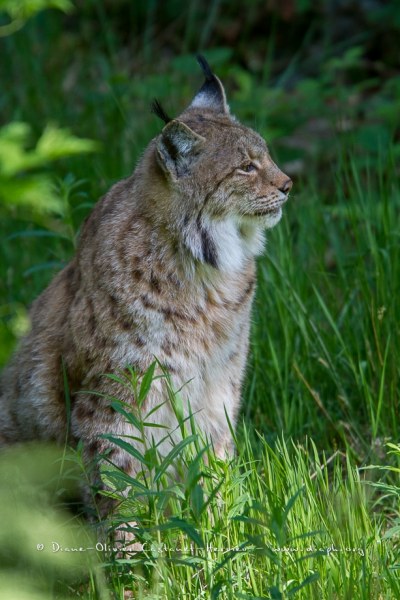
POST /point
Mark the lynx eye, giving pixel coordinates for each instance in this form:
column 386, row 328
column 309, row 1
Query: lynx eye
column 249, row 168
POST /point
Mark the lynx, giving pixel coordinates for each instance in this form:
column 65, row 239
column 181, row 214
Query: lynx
column 165, row 268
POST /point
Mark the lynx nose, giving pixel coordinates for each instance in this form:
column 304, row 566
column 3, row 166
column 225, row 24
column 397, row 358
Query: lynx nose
column 286, row 186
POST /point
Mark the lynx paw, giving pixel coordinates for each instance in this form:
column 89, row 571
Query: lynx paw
column 126, row 542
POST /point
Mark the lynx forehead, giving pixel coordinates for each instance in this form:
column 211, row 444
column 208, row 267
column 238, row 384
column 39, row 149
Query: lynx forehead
column 165, row 267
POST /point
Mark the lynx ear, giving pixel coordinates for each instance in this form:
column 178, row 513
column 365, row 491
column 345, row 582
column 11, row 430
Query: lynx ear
column 211, row 95
column 177, row 147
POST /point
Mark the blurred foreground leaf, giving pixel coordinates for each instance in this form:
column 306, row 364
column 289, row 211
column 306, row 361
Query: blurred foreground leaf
column 41, row 545
column 19, row 11
column 20, row 187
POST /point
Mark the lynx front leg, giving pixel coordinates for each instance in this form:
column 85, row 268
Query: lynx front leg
column 224, row 396
column 92, row 417
column 219, row 415
column 224, row 444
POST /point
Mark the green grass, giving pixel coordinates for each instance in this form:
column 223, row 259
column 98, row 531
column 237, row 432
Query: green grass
column 321, row 397
column 325, row 341
column 289, row 522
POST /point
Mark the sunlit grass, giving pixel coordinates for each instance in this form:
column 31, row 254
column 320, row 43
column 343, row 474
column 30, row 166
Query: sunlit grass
column 280, row 522
column 288, row 522
column 276, row 521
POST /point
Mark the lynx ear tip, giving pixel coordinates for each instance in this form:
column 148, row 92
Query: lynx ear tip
column 158, row 110
column 205, row 67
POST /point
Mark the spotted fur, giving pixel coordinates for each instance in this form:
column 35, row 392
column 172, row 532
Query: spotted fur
column 165, row 268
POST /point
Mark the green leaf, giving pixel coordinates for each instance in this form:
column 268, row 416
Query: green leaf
column 129, row 448
column 35, row 192
column 19, row 11
column 146, row 382
column 189, row 529
column 56, row 143
column 19, row 187
column 310, row 579
column 128, row 414
column 176, row 450
column 197, row 500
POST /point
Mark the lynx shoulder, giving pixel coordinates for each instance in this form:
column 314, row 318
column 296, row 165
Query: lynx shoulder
column 165, row 268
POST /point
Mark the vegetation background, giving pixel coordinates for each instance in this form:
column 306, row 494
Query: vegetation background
column 320, row 81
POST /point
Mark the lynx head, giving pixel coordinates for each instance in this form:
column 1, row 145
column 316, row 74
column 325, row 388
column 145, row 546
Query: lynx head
column 219, row 173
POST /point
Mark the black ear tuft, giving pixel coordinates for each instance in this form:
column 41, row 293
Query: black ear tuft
column 208, row 74
column 158, row 110
column 211, row 95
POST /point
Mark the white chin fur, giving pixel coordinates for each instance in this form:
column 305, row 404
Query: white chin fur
column 269, row 221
